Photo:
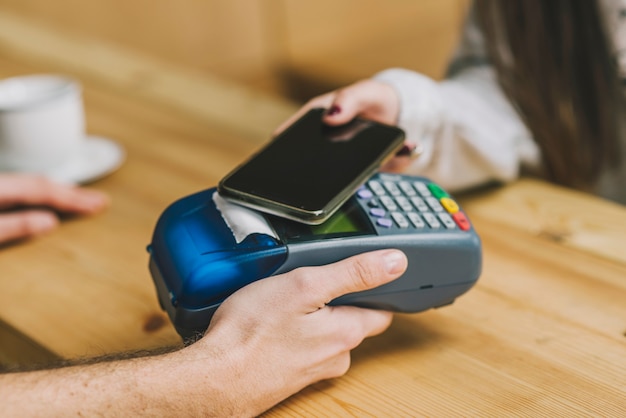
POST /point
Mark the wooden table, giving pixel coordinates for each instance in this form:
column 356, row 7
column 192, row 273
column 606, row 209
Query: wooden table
column 543, row 333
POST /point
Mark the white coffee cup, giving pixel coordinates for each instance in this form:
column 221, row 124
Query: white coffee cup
column 42, row 122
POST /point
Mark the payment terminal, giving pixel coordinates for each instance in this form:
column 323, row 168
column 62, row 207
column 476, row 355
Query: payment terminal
column 204, row 248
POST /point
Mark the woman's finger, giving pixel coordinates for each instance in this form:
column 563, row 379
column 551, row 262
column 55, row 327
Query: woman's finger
column 325, row 101
column 367, row 98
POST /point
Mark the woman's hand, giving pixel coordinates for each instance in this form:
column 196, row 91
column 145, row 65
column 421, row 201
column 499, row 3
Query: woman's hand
column 369, row 99
column 29, row 204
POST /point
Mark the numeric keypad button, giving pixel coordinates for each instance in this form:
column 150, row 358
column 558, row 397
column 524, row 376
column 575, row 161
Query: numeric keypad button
column 400, row 219
column 422, row 188
column 392, row 188
column 388, row 203
column 416, row 220
column 377, row 188
column 404, row 203
column 419, row 203
column 432, row 220
column 407, row 188
column 434, row 204
column 447, row 220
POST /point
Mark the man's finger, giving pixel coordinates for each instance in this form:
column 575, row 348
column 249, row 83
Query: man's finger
column 32, row 190
column 363, row 322
column 361, row 272
column 26, row 224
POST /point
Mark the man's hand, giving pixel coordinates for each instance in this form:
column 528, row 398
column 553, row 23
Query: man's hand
column 278, row 335
column 266, row 342
column 29, row 204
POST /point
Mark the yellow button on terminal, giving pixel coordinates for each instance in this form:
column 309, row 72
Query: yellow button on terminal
column 450, row 205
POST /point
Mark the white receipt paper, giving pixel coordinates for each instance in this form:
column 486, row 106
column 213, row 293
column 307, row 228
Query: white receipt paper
column 242, row 221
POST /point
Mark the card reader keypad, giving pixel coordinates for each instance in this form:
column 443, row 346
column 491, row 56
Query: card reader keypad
column 403, row 203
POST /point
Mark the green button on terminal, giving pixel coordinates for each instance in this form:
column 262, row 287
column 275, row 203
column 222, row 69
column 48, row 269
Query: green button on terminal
column 437, row 191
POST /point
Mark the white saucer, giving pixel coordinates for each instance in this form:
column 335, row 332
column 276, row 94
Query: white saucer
column 98, row 158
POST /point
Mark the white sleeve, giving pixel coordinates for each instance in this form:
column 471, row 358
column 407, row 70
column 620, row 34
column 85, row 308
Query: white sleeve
column 469, row 132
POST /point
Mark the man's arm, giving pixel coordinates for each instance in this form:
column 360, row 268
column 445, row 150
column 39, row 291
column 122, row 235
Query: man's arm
column 266, row 342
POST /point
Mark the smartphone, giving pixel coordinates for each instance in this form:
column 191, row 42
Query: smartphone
column 310, row 169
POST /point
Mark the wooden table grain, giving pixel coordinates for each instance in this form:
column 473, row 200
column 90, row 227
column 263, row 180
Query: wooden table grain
column 543, row 333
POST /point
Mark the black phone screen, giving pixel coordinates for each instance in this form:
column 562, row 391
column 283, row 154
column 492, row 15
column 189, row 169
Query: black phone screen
column 310, row 164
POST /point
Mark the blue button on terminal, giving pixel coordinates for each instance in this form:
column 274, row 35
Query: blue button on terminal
column 377, row 212
column 384, row 222
column 364, row 193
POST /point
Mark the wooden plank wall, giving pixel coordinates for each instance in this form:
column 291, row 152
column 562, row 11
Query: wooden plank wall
column 289, row 47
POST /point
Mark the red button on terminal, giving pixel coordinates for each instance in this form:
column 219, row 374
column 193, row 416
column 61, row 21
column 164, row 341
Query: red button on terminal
column 462, row 221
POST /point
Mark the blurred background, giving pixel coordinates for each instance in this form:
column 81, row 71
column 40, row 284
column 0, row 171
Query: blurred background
column 188, row 88
column 289, row 48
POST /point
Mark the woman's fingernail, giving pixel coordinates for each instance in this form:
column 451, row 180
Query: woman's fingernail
column 405, row 151
column 410, row 150
column 333, row 110
column 394, row 262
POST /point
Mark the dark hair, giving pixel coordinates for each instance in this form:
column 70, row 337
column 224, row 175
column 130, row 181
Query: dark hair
column 554, row 62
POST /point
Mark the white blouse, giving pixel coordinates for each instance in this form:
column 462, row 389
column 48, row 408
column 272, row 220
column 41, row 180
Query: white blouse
column 468, row 131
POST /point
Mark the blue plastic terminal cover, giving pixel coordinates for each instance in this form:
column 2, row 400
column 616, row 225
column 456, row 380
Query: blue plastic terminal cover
column 199, row 259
